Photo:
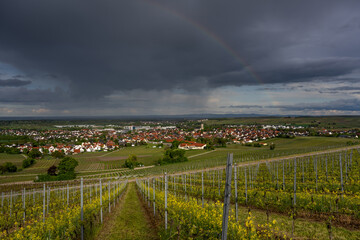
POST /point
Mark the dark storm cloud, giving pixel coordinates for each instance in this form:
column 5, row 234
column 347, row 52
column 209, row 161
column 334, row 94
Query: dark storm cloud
column 106, row 46
column 13, row 83
column 296, row 71
column 98, row 47
column 31, row 96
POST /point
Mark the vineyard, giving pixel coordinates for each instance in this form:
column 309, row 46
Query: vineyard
column 179, row 120
column 324, row 188
column 55, row 213
column 110, row 164
column 313, row 195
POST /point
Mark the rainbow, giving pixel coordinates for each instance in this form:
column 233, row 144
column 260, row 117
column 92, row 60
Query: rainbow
column 211, row 35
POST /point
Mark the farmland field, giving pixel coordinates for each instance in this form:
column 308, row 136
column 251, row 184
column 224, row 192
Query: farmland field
column 283, row 147
column 327, row 193
column 114, row 160
column 111, row 162
column 13, row 158
column 26, row 217
column 310, row 197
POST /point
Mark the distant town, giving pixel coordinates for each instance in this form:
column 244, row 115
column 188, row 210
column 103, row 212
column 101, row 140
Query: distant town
column 75, row 139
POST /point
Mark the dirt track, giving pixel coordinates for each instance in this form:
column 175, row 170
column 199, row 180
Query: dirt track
column 118, row 158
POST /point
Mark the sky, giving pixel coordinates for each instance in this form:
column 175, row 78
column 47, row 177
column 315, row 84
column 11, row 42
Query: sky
column 170, row 57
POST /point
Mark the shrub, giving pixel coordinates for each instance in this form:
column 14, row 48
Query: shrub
column 28, row 162
column 209, row 147
column 66, row 176
column 46, row 178
column 272, row 146
column 52, row 170
column 66, row 171
column 173, row 156
column 2, row 169
column 128, row 164
column 10, row 167
column 132, row 162
column 12, row 150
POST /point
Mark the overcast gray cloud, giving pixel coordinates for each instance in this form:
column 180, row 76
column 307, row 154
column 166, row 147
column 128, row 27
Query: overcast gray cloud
column 93, row 49
column 342, row 89
column 338, row 105
column 242, row 106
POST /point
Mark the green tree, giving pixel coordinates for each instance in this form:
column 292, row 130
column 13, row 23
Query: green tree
column 209, row 146
column 175, row 144
column 34, row 153
column 58, row 154
column 67, row 165
column 46, row 151
column 173, row 156
column 12, row 150
column 28, row 162
column 220, row 142
column 132, row 162
column 132, row 157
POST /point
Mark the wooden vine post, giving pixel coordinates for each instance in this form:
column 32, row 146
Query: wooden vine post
column 227, row 195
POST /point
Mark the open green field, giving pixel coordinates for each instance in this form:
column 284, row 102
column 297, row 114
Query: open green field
column 113, row 160
column 13, row 158
column 338, row 122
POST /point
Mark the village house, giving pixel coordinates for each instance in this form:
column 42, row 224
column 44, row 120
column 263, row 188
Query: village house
column 191, row 145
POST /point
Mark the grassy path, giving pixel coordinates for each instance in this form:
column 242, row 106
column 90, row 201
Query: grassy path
column 129, row 220
column 200, row 154
column 109, row 153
